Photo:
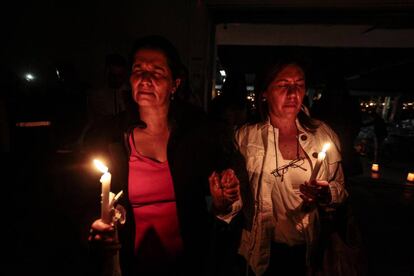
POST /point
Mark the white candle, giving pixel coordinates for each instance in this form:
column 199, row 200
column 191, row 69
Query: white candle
column 106, row 188
column 375, row 168
column 410, row 177
column 318, row 164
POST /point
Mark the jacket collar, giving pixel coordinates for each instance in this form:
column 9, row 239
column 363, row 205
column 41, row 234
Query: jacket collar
column 266, row 124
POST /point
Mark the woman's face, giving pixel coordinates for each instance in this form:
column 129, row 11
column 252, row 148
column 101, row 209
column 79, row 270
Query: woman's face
column 151, row 79
column 285, row 93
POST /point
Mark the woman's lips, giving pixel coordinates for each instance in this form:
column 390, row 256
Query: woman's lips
column 145, row 93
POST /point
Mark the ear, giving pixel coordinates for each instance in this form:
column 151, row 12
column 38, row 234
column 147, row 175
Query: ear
column 177, row 83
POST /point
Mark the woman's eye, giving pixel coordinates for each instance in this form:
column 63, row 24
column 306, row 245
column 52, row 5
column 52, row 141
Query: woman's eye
column 282, row 86
column 136, row 70
column 158, row 75
column 279, row 87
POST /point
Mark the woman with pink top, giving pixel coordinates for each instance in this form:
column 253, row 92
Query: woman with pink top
column 171, row 154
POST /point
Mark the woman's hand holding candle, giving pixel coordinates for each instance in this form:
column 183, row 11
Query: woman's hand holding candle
column 316, row 192
column 101, row 231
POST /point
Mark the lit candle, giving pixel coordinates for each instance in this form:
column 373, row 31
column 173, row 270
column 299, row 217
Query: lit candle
column 375, row 168
column 318, row 164
column 106, row 187
column 375, row 175
column 410, row 177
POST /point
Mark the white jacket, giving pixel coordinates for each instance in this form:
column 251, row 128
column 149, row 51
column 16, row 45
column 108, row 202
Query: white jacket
column 258, row 231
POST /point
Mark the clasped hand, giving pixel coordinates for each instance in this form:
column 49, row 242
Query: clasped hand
column 101, row 231
column 106, row 232
column 224, row 189
column 317, row 192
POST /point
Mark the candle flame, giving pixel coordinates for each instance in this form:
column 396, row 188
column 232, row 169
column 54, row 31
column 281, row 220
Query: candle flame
column 100, row 166
column 326, row 147
column 410, row 177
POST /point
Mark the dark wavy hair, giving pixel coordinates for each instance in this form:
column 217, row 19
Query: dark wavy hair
column 178, row 71
column 263, row 83
column 159, row 43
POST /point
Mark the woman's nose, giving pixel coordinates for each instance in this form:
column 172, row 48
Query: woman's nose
column 292, row 90
column 146, row 77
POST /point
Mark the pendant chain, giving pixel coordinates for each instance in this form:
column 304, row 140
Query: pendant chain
column 297, row 149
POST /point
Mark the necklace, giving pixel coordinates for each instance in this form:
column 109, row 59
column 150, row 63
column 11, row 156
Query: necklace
column 297, row 163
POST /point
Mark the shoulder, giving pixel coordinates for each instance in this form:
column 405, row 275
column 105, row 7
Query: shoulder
column 243, row 130
column 325, row 132
column 247, row 130
column 187, row 115
column 325, row 129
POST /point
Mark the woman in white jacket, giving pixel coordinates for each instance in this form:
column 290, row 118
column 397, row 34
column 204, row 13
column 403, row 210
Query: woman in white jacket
column 282, row 217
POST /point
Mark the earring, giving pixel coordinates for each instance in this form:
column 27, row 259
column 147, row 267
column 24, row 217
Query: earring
column 172, row 96
column 264, row 99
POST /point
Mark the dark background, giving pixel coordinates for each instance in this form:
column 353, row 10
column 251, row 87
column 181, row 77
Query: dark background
column 51, row 198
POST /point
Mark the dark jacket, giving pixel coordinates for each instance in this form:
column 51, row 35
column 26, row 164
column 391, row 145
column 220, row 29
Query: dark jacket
column 196, row 148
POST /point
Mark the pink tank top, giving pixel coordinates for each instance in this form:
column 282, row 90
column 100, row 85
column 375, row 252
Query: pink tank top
column 151, row 194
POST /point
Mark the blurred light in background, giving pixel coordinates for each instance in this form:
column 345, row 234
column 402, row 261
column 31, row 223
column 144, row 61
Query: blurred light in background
column 29, row 77
column 57, row 74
